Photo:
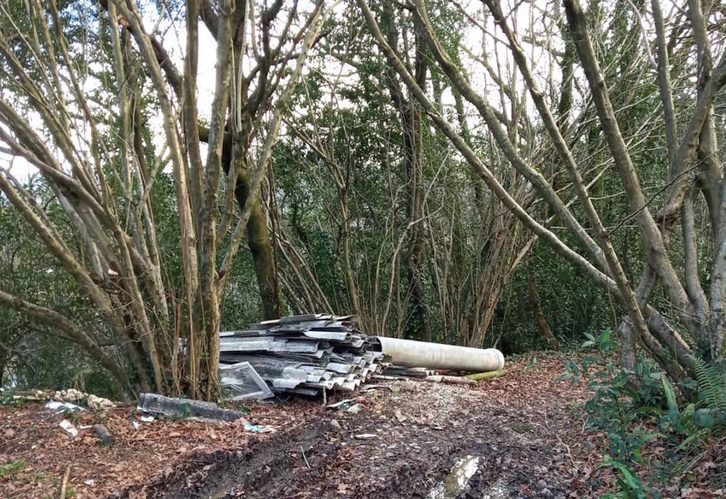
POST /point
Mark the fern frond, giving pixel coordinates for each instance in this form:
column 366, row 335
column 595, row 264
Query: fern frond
column 711, row 384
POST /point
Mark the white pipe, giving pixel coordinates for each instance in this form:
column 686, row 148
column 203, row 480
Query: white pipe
column 412, row 353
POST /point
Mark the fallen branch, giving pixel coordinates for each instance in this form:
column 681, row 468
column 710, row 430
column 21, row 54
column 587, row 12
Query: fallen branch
column 64, row 483
column 458, row 380
column 302, row 451
column 489, row 375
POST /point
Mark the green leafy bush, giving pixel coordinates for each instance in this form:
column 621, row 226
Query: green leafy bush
column 634, row 408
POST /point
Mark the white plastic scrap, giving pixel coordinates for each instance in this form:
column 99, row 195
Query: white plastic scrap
column 147, row 419
column 255, row 428
column 55, row 405
column 68, row 427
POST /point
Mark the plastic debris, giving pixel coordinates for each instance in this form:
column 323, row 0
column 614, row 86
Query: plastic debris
column 343, row 404
column 55, row 405
column 241, row 382
column 91, row 401
column 255, row 428
column 459, row 380
column 147, row 419
column 69, row 428
column 377, row 387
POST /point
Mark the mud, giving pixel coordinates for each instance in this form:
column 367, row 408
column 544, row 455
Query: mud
column 422, row 435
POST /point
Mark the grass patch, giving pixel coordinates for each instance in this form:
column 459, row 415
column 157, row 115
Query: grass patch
column 9, row 470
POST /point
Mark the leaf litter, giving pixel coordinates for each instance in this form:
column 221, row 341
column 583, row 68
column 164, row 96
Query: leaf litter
column 521, row 435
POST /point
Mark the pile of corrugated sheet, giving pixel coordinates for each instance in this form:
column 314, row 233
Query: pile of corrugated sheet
column 302, row 354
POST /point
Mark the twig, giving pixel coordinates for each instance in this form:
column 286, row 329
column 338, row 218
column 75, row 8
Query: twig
column 567, row 447
column 693, row 463
column 644, row 37
column 458, row 380
column 64, row 484
column 305, row 458
column 569, row 453
column 650, row 200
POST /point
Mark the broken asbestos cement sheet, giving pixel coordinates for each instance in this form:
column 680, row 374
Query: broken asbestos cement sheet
column 304, row 355
column 184, row 408
column 309, row 354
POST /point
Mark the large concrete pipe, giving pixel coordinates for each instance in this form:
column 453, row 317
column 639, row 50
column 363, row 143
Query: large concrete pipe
column 412, row 353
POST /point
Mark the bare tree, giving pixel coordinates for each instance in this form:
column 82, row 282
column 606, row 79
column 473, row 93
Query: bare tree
column 95, row 158
column 599, row 260
column 466, row 244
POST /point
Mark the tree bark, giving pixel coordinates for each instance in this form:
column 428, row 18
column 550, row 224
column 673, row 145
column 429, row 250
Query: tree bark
column 536, row 305
column 409, row 112
column 260, row 245
column 258, row 235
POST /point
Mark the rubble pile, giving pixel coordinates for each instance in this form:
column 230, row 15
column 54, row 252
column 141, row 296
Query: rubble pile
column 304, row 354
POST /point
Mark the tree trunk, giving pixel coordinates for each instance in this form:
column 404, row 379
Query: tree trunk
column 258, row 235
column 258, row 240
column 260, row 245
column 628, row 352
column 409, row 111
column 537, row 310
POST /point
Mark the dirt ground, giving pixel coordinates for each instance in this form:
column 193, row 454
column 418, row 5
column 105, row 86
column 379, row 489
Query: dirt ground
column 406, row 442
column 522, row 435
